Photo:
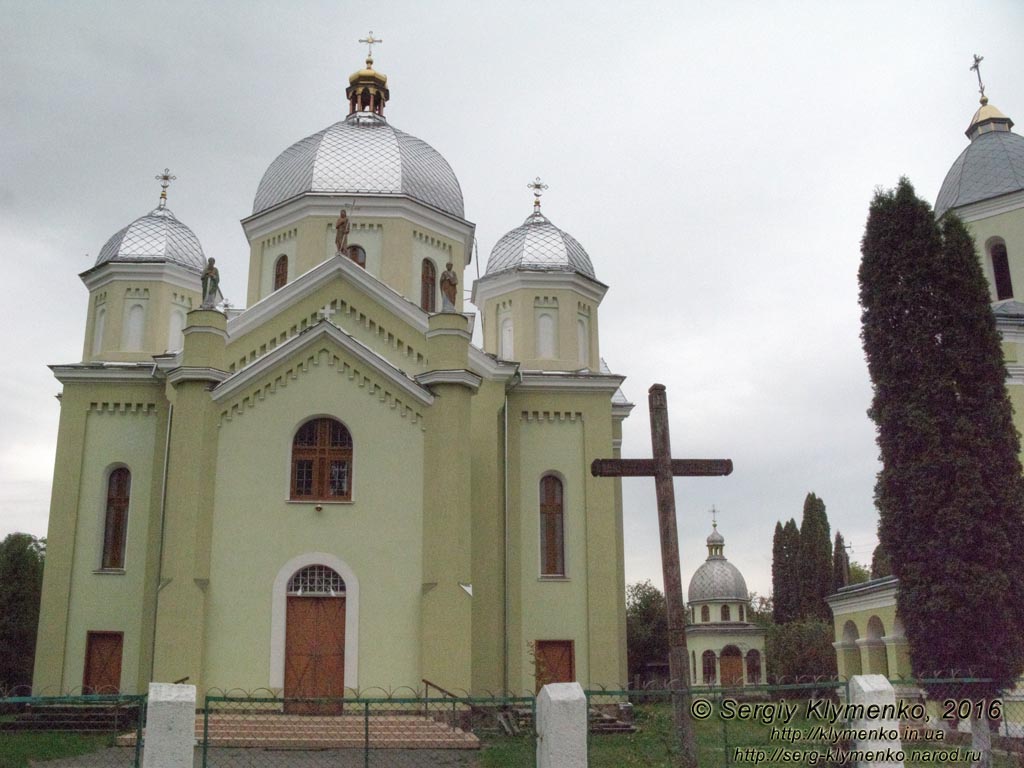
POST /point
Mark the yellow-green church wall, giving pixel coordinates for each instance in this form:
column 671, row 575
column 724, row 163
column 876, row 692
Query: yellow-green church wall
column 378, row 534
column 869, row 640
column 1008, row 227
column 488, row 532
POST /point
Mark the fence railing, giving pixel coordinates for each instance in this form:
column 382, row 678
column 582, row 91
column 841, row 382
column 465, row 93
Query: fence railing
column 96, row 729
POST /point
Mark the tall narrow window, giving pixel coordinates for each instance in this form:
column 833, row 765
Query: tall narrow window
column 726, row 615
column 133, row 328
column 705, row 614
column 280, row 271
column 708, row 664
column 506, row 338
column 115, row 525
column 1001, row 269
column 546, row 342
column 552, row 543
column 97, row 333
column 428, row 283
column 322, row 462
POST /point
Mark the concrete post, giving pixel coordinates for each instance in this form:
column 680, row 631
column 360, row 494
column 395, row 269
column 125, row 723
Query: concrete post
column 170, row 726
column 875, row 689
column 562, row 726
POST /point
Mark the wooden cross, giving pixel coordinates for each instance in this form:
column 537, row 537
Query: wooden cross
column 976, row 67
column 663, row 467
column 370, row 40
column 165, row 180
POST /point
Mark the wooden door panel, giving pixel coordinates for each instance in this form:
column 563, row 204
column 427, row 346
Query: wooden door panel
column 554, row 662
column 731, row 669
column 102, row 672
column 314, row 652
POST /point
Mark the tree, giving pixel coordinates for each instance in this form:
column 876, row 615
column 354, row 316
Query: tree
column 761, row 611
column 840, row 564
column 21, row 583
column 859, row 573
column 950, row 492
column 786, row 573
column 880, row 565
column 801, row 650
column 646, row 626
column 815, row 560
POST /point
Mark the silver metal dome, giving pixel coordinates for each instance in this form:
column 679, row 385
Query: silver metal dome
column 157, row 236
column 539, row 245
column 717, row 579
column 991, row 165
column 362, row 154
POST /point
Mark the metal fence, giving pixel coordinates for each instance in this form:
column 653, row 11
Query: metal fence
column 250, row 731
column 80, row 730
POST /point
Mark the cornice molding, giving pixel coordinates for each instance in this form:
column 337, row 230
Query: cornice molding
column 141, row 271
column 459, row 332
column 105, row 372
column 488, row 287
column 457, row 376
column 291, row 212
column 984, row 209
column 568, row 382
column 323, row 330
column 864, row 597
column 196, row 373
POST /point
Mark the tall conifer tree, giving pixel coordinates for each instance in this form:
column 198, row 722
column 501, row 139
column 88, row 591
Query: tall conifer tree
column 815, row 560
column 840, row 564
column 950, row 493
column 786, row 573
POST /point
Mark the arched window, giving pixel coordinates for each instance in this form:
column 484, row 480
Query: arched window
column 316, row 581
column 428, row 286
column 115, row 524
column 97, row 333
column 546, row 335
column 134, row 327
column 582, row 342
column 708, row 663
column 506, row 339
column 705, row 614
column 175, row 331
column 322, row 462
column 280, row 271
column 552, row 543
column 753, row 667
column 726, row 614
column 358, row 254
column 743, row 613
column 1001, row 270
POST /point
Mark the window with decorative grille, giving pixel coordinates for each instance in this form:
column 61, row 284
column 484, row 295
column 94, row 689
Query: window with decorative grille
column 322, row 462
column 316, row 580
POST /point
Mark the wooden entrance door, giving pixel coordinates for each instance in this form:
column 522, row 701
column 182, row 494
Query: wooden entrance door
column 731, row 666
column 314, row 662
column 554, row 662
column 102, row 662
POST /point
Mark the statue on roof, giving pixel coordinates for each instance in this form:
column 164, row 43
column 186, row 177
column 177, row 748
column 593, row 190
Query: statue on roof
column 449, row 288
column 341, row 229
column 211, row 285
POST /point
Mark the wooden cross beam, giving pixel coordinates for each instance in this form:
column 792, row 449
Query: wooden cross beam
column 663, row 468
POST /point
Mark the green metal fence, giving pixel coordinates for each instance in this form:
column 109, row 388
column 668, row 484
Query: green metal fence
column 89, row 730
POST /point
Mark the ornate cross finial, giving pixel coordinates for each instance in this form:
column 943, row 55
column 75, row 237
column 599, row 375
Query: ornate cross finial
column 538, row 188
column 976, row 67
column 714, row 516
column 165, row 180
column 370, row 40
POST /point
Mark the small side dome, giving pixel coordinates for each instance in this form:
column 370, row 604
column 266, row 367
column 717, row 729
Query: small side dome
column 990, row 166
column 157, row 236
column 717, row 579
column 538, row 245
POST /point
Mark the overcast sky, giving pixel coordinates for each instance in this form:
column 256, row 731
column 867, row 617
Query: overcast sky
column 716, row 160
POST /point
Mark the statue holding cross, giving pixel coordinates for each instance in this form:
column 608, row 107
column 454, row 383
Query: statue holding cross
column 663, row 468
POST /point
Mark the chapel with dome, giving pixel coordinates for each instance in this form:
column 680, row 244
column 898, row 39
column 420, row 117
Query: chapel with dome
column 726, row 648
column 333, row 489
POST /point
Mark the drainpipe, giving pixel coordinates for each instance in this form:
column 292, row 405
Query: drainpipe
column 160, row 552
column 516, row 378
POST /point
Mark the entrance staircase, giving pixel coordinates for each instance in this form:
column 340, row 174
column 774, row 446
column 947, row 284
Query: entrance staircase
column 346, row 731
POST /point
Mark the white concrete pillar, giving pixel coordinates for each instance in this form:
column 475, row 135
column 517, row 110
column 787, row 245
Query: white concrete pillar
column 562, row 726
column 887, row 748
column 170, row 726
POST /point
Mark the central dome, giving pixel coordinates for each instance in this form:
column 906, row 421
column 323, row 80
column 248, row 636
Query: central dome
column 717, row 578
column 362, row 154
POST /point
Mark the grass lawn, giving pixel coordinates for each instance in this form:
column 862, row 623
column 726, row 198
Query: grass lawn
column 651, row 745
column 18, row 748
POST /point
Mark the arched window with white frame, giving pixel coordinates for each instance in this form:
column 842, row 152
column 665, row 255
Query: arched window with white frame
column 321, row 467
column 552, row 527
column 115, row 519
column 1001, row 270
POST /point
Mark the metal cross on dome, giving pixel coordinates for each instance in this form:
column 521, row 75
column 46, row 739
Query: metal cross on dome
column 714, row 516
column 370, row 40
column 976, row 67
column 538, row 188
column 165, row 180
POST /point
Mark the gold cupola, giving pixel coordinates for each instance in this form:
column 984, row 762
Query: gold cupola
column 367, row 90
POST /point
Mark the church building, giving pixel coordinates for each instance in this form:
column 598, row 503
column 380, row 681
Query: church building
column 333, row 488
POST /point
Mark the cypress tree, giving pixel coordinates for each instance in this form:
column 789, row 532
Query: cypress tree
column 815, row 560
column 880, row 565
column 950, row 493
column 786, row 573
column 840, row 564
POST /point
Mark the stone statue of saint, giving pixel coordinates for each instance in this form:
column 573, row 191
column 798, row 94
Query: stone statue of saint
column 211, row 285
column 341, row 230
column 449, row 286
